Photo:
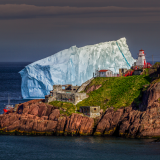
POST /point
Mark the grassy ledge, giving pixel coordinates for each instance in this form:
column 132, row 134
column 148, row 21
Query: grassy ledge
column 116, row 91
column 66, row 108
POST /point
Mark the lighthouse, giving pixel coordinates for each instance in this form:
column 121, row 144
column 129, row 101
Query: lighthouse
column 141, row 62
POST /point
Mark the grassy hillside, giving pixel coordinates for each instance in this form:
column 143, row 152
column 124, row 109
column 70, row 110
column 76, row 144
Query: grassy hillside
column 65, row 107
column 115, row 91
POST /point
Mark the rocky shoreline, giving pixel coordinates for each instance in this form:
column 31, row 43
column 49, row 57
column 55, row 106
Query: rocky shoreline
column 136, row 121
column 38, row 118
column 123, row 122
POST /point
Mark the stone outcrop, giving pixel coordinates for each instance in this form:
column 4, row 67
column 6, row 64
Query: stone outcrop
column 154, row 71
column 79, row 125
column 36, row 117
column 131, row 123
column 152, row 94
column 109, row 122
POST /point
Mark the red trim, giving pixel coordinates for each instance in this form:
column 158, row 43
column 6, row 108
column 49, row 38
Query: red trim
column 103, row 71
column 141, row 50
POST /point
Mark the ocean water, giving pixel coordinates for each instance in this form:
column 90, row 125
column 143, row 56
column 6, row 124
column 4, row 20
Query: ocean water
column 59, row 147
column 77, row 148
column 10, row 83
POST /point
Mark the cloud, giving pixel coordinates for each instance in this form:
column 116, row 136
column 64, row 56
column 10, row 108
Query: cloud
column 14, row 11
column 86, row 3
column 67, row 15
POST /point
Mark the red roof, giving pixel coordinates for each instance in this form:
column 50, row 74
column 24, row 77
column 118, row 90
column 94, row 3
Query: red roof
column 103, row 71
column 141, row 50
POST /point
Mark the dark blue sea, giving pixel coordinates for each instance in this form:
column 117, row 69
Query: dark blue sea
column 67, row 148
column 10, row 83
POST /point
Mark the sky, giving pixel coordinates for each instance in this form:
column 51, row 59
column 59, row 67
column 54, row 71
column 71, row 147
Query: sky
column 34, row 29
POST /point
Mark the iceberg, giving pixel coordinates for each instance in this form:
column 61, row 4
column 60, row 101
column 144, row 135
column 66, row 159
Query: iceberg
column 73, row 66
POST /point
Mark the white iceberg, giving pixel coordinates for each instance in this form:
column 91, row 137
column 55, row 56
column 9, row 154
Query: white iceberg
column 73, row 66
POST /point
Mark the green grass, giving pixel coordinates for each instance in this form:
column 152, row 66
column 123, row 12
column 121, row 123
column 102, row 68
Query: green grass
column 96, row 81
column 68, row 107
column 156, row 65
column 146, row 72
column 116, row 91
column 156, row 81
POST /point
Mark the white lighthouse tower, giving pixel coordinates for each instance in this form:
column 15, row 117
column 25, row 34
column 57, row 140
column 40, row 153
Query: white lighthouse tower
column 141, row 62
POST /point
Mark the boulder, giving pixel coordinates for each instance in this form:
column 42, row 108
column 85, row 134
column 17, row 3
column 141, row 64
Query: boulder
column 15, row 125
column 29, row 125
column 61, row 125
column 9, row 119
column 77, row 124
column 51, row 126
column 49, row 109
column 54, row 115
column 42, row 109
column 109, row 122
column 34, row 109
column 152, row 94
column 86, row 126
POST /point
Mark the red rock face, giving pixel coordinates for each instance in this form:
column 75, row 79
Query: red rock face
column 86, row 126
column 54, row 115
column 77, row 124
column 42, row 109
column 61, row 125
column 33, row 110
column 109, row 122
column 131, row 123
column 152, row 94
column 37, row 117
column 51, row 126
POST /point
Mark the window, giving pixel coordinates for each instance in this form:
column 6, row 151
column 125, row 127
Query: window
column 94, row 109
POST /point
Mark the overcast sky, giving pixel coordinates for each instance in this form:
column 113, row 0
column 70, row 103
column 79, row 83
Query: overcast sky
column 34, row 29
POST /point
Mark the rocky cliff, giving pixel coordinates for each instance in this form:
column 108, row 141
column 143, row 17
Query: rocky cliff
column 38, row 118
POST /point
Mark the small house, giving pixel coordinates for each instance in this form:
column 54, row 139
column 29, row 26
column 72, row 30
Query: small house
column 90, row 111
column 104, row 73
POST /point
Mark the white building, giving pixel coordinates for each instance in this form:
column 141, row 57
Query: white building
column 141, row 59
column 104, row 73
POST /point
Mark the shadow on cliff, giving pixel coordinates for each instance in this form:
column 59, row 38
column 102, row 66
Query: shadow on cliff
column 140, row 102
